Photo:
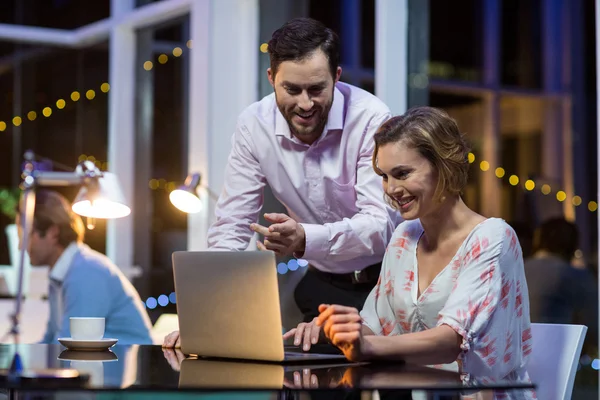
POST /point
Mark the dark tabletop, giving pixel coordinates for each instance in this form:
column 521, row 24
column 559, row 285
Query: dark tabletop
column 153, row 368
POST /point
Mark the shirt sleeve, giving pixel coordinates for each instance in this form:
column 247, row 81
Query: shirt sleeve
column 489, row 305
column 369, row 230
column 242, row 197
column 84, row 295
column 378, row 312
column 368, row 313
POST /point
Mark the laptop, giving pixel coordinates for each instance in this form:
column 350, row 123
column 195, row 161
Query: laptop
column 228, row 307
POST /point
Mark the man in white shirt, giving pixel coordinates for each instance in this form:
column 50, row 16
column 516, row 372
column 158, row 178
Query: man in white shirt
column 312, row 142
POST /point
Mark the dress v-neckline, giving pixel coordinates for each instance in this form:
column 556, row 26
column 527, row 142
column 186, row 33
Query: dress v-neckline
column 418, row 297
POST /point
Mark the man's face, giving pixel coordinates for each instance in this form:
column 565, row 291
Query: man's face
column 41, row 248
column 304, row 94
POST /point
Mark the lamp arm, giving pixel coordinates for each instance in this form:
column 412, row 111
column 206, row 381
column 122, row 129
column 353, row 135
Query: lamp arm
column 27, row 226
column 53, row 178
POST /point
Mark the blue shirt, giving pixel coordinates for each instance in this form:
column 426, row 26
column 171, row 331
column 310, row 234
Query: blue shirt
column 85, row 283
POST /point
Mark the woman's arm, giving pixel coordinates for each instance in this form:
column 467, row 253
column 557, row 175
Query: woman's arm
column 438, row 345
column 343, row 327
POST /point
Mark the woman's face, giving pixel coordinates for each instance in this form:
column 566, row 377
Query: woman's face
column 409, row 179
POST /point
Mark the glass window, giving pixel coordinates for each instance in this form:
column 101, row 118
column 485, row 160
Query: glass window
column 521, row 43
column 169, row 151
column 455, row 47
column 161, row 153
column 367, row 17
column 59, row 14
column 521, row 127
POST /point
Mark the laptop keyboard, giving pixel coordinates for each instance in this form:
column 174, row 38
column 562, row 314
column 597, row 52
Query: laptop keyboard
column 320, row 348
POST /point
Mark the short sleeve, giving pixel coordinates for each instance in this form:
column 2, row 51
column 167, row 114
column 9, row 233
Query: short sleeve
column 379, row 313
column 369, row 310
column 488, row 305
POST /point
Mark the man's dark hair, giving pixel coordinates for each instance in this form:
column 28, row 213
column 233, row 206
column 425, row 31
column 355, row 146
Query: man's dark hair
column 557, row 236
column 297, row 40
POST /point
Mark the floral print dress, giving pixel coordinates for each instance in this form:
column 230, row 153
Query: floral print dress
column 481, row 294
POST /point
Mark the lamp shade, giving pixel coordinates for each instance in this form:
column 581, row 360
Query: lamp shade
column 101, row 198
column 185, row 197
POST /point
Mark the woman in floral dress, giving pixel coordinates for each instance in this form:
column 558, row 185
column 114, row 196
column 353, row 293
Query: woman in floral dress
column 452, row 288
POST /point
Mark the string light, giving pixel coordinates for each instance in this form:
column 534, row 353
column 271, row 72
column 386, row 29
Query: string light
column 291, row 265
column 163, row 58
column 264, row 48
column 546, row 189
column 162, row 300
column 500, row 172
column 529, row 185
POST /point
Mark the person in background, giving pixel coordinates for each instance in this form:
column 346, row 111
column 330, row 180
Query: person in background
column 557, row 289
column 311, row 141
column 82, row 282
column 524, row 233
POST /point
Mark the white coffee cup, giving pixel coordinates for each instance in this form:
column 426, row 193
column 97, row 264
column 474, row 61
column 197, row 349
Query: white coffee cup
column 86, row 328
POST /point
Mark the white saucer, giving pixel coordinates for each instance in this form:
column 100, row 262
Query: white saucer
column 87, row 345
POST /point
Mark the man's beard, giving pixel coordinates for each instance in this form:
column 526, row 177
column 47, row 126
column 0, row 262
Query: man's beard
column 307, row 133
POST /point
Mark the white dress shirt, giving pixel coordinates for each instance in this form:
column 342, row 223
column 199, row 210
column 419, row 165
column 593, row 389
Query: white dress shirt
column 330, row 186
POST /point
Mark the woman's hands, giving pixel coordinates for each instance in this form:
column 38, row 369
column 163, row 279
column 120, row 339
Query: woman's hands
column 343, row 327
column 305, row 334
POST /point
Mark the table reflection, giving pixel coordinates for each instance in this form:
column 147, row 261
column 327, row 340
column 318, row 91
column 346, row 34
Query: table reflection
column 211, row 373
column 153, row 368
column 88, row 362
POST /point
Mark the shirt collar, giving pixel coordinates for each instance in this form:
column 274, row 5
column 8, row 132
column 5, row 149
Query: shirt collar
column 335, row 119
column 62, row 265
